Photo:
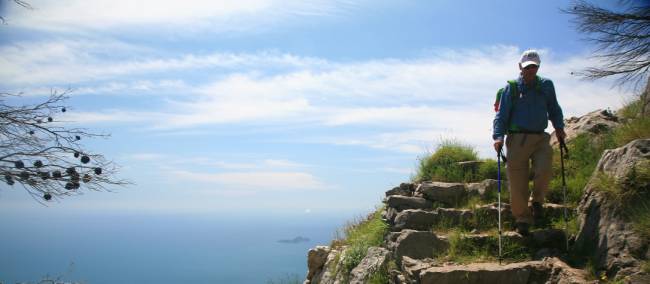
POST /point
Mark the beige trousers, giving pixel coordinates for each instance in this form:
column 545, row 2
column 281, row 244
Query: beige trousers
column 523, row 148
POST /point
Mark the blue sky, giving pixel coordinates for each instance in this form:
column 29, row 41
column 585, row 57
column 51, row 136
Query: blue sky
column 300, row 107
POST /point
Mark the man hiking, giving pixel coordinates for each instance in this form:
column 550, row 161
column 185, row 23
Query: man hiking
column 525, row 107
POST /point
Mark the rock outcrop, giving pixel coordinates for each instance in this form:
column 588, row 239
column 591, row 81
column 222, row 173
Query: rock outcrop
column 614, row 247
column 595, row 122
column 316, row 259
column 376, row 260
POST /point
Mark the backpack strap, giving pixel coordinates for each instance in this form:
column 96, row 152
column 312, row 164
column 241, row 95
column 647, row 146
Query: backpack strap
column 513, row 88
column 514, row 93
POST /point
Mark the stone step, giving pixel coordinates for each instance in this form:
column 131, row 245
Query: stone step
column 549, row 270
column 480, row 218
column 426, row 244
column 446, row 192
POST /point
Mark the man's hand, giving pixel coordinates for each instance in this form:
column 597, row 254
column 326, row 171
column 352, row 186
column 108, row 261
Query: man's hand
column 560, row 135
column 498, row 144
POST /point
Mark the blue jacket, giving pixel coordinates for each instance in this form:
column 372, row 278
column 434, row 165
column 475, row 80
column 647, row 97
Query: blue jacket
column 530, row 110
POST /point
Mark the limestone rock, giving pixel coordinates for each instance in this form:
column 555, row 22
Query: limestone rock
column 375, row 260
column 594, row 122
column 452, row 217
column 486, row 189
column 331, row 273
column 413, row 267
column 415, row 219
column 404, row 189
column 619, row 162
column 389, row 215
column 605, row 235
column 561, row 273
column 417, row 245
column 316, row 258
column 400, row 202
column 448, row 193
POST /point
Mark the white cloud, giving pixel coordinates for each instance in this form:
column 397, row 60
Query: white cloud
column 407, row 103
column 112, row 116
column 243, row 162
column 191, row 15
column 84, row 60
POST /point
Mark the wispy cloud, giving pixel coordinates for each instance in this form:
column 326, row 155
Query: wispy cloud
column 407, row 102
column 191, row 15
column 86, row 60
column 240, row 174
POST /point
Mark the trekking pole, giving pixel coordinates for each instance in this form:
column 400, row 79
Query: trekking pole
column 564, row 151
column 499, row 154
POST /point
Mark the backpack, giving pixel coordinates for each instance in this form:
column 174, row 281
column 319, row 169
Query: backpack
column 513, row 86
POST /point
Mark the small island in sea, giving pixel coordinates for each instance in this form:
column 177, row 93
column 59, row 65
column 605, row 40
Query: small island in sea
column 295, row 240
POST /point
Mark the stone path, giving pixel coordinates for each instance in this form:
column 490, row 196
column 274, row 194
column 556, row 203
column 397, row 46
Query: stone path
column 434, row 228
column 425, row 224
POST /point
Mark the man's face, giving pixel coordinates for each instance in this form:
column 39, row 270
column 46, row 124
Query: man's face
column 529, row 72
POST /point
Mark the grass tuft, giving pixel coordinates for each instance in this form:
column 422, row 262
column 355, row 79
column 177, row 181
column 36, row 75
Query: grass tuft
column 443, row 166
column 464, row 250
column 358, row 236
column 636, row 128
column 379, row 277
column 573, row 225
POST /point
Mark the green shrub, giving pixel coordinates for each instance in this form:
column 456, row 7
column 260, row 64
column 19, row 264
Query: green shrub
column 379, row 277
column 443, row 164
column 636, row 128
column 489, row 170
column 584, row 152
column 631, row 109
column 358, row 236
column 572, row 224
column 636, row 198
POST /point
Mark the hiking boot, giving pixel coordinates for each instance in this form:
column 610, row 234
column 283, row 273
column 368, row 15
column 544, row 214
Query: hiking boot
column 522, row 228
column 538, row 214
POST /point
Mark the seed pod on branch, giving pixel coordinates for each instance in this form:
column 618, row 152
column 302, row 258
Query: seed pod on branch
column 45, row 157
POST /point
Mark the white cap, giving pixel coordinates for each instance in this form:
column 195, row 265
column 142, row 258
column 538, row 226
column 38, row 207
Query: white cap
column 529, row 57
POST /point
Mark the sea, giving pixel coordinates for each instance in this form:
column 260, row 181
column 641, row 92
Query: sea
column 103, row 248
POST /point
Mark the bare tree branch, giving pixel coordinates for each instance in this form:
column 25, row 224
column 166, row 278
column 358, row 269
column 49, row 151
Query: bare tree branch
column 41, row 155
column 622, row 40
